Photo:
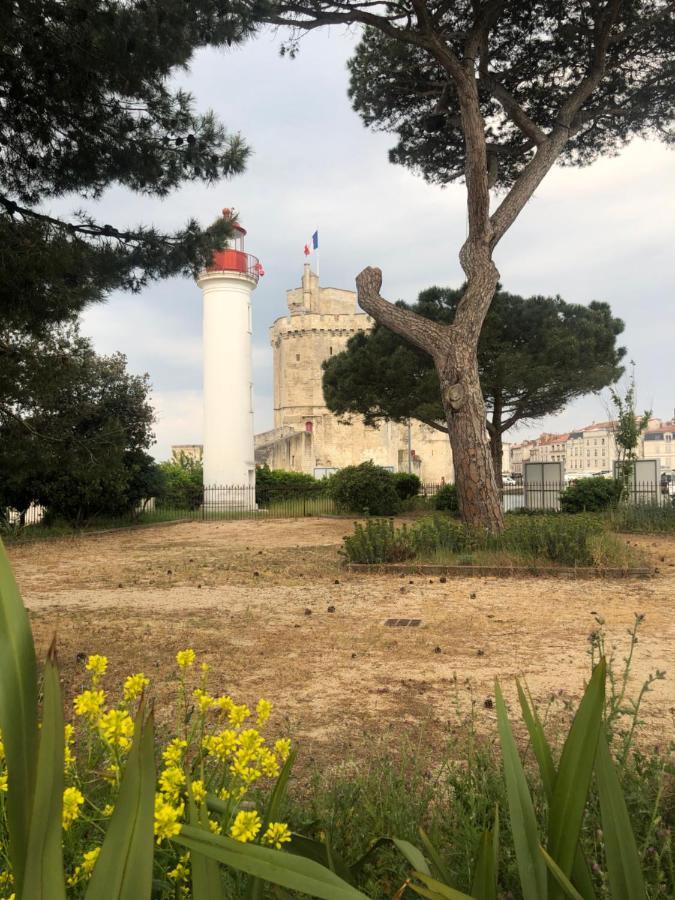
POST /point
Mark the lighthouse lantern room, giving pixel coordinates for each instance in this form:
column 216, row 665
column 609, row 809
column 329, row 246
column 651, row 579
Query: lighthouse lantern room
column 227, row 285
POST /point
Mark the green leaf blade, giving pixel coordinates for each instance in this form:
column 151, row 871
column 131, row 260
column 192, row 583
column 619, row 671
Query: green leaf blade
column 623, row 860
column 531, row 866
column 275, row 866
column 123, row 870
column 573, row 781
column 18, row 715
column 43, row 879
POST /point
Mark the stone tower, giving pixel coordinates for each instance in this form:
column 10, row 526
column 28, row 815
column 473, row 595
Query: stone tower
column 307, row 437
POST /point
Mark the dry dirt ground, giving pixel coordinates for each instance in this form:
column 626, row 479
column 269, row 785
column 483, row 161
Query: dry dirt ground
column 253, row 599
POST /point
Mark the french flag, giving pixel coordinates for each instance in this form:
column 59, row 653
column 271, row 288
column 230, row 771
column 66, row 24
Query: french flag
column 314, row 243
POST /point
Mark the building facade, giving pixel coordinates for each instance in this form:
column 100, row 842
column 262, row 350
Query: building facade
column 307, row 437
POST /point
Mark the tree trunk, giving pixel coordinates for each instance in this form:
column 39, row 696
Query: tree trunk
column 477, row 490
column 496, row 449
column 495, row 430
column 453, row 348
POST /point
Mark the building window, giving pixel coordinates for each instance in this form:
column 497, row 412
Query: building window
column 309, row 427
column 297, row 357
column 330, row 349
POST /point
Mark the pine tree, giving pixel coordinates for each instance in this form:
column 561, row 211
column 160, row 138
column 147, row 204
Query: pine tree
column 85, row 104
column 512, row 88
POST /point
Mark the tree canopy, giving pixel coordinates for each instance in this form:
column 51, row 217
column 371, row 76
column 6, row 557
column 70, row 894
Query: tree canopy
column 74, row 433
column 535, row 355
column 534, row 52
column 86, row 104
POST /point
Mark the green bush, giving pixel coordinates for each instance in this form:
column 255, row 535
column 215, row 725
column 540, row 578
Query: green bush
column 278, row 484
column 590, row 495
column 428, row 536
column 183, row 484
column 446, row 499
column 377, row 542
column 407, row 485
column 560, row 538
column 367, row 489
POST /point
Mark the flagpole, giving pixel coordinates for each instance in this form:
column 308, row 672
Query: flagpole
column 317, row 257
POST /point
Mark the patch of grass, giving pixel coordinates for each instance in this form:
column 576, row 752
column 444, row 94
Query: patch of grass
column 647, row 518
column 559, row 539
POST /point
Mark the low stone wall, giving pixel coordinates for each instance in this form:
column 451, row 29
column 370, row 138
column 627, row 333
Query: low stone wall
column 499, row 571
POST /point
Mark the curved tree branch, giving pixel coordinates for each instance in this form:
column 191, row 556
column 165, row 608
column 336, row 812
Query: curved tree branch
column 423, row 333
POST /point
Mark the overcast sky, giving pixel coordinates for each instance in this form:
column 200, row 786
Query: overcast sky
column 602, row 233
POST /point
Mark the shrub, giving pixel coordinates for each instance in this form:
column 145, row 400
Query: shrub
column 278, row 484
column 407, row 485
column 367, row 489
column 590, row 495
column 377, row 542
column 428, row 536
column 446, row 499
column 183, row 484
column 559, row 538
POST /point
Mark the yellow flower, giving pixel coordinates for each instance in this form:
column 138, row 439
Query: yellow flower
column 68, row 758
column 263, row 709
column 89, row 704
column 97, row 665
column 182, row 870
column 222, row 745
column 173, row 754
column 185, row 658
column 171, row 782
column 268, row 763
column 72, row 801
column 204, row 700
column 3, row 783
column 85, row 868
column 215, row 827
column 240, row 769
column 246, row 826
column 283, row 748
column 225, row 703
column 108, row 810
column 238, row 715
column 205, row 668
column 134, row 684
column 198, row 791
column 167, row 824
column 2, row 748
column 117, row 727
column 277, row 834
column 250, row 741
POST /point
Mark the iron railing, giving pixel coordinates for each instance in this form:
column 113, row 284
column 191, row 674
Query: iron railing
column 263, row 501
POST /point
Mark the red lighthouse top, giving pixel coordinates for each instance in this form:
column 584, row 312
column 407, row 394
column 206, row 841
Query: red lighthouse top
column 232, row 257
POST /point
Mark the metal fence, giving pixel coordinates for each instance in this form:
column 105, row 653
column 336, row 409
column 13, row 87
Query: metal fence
column 265, row 502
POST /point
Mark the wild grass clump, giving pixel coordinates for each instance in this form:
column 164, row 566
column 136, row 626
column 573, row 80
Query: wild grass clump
column 376, row 541
column 645, row 518
column 566, row 540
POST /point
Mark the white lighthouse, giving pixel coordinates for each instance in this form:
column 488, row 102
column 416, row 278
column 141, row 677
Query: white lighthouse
column 227, row 284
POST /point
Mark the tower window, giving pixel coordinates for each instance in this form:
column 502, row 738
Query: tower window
column 297, row 357
column 331, row 350
column 309, row 427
